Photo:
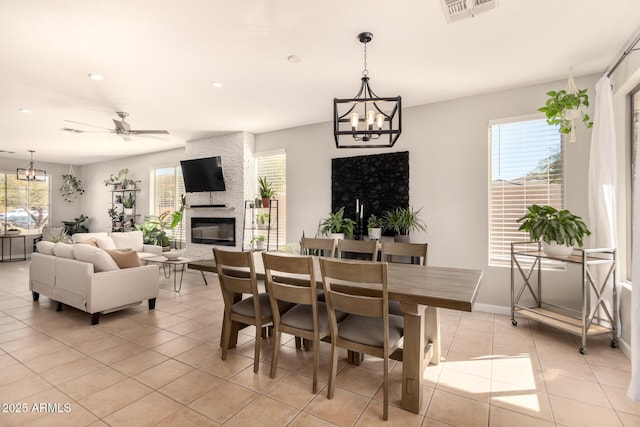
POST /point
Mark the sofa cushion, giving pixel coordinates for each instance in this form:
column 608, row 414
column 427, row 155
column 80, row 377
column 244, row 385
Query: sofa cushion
column 78, row 237
column 124, row 259
column 129, row 239
column 91, row 241
column 99, row 258
column 45, row 247
column 64, row 250
column 106, row 243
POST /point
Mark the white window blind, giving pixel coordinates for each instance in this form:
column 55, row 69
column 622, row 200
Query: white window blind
column 527, row 167
column 274, row 167
column 167, row 188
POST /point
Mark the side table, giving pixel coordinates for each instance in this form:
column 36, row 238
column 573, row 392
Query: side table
column 173, row 265
column 11, row 258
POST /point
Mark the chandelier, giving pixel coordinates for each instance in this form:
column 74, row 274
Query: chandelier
column 366, row 120
column 31, row 173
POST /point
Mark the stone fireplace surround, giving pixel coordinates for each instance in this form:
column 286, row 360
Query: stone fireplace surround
column 237, row 155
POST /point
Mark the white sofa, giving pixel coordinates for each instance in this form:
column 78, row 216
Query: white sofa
column 90, row 286
column 121, row 240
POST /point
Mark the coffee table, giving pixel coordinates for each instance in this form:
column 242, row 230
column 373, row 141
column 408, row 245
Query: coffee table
column 173, row 264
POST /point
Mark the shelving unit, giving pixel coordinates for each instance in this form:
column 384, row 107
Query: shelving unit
column 572, row 321
column 253, row 227
column 126, row 220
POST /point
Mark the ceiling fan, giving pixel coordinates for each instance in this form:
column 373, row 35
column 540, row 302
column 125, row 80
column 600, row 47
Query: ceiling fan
column 122, row 128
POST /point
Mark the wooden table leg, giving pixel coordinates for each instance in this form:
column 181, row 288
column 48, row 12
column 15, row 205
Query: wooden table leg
column 432, row 332
column 412, row 356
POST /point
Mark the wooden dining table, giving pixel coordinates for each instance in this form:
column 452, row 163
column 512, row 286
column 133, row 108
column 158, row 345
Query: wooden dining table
column 421, row 291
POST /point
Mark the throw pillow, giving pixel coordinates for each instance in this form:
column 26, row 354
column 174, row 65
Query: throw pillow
column 63, row 250
column 105, row 243
column 91, row 242
column 124, row 259
column 45, row 247
column 100, row 259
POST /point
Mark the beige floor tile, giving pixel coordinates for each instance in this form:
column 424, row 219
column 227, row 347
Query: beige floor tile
column 577, row 389
column 372, row 416
column 91, row 383
column 576, row 368
column 569, row 412
column 191, row 386
column 304, row 419
column 629, row 420
column 269, row 412
column 430, row 422
column 118, row 353
column 476, row 349
column 186, row 326
column 15, row 373
column 343, row 409
column 466, row 385
column 163, row 373
column 518, row 378
column 147, row 411
column 527, row 402
column 230, row 367
column 139, row 362
column 359, row 380
column 199, row 355
column 620, row 401
column 176, row 346
column 258, row 382
column 457, row 410
column 503, row 418
column 71, row 370
column 156, row 338
column 295, row 390
column 17, row 390
column 479, row 366
column 114, row 397
column 187, row 418
column 611, row 376
column 223, row 401
column 46, row 362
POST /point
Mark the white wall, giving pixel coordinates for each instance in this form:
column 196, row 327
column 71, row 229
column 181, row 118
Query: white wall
column 449, row 177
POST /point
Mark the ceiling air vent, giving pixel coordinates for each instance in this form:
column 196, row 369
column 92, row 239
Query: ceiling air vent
column 454, row 10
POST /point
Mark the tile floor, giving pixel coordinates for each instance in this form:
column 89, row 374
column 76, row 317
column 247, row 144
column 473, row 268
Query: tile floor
column 163, row 367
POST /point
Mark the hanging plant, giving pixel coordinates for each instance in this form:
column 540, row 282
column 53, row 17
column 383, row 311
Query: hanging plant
column 71, row 187
column 563, row 107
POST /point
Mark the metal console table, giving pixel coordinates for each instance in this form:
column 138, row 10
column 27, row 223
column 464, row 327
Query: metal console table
column 580, row 322
column 11, row 237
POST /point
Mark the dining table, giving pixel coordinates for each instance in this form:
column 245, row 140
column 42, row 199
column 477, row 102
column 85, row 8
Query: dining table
column 421, row 291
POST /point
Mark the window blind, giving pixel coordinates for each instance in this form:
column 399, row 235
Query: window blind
column 167, row 189
column 274, row 166
column 527, row 167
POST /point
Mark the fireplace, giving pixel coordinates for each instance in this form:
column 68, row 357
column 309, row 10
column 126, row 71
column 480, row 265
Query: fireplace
column 213, row 231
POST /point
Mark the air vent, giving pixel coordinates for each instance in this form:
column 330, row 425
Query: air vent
column 455, row 10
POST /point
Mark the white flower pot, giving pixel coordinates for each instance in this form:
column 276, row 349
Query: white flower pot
column 261, row 245
column 128, row 211
column 375, row 233
column 336, row 236
column 555, row 250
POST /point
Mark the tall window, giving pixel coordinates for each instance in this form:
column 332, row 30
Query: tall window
column 274, row 166
column 527, row 167
column 23, row 204
column 167, row 188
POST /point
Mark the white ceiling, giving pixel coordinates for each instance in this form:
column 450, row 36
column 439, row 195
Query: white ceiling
column 158, row 58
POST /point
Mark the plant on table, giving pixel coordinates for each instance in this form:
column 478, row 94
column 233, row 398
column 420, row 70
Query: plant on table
column 548, row 224
column 266, row 190
column 404, row 220
column 116, row 179
column 336, row 223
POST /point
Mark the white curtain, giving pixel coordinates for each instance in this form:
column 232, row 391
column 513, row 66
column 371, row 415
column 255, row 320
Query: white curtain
column 602, row 183
column 634, row 386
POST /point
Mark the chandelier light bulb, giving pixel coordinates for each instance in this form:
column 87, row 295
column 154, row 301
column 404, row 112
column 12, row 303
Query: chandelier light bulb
column 380, row 121
column 354, row 121
column 370, row 119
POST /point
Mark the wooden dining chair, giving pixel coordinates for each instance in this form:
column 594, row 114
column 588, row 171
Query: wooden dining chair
column 319, row 247
column 360, row 289
column 361, row 249
column 237, row 276
column 291, row 279
column 407, row 253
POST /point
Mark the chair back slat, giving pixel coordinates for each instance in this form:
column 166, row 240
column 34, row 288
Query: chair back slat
column 290, row 278
column 416, row 251
column 236, row 272
column 362, row 247
column 319, row 247
column 355, row 304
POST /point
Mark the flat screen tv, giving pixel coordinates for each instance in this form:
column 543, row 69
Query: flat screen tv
column 203, row 174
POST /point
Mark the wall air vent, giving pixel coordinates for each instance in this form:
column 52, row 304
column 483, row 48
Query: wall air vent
column 455, row 10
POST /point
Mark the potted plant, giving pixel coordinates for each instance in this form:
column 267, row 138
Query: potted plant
column 76, row 226
column 559, row 230
column 116, row 180
column 127, row 203
column 263, row 220
column 374, row 226
column 337, row 226
column 563, row 108
column 266, row 191
column 114, row 215
column 403, row 221
column 129, row 184
column 12, row 232
column 71, row 188
column 260, row 242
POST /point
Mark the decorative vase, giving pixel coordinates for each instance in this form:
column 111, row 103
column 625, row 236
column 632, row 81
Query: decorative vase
column 336, row 236
column 553, row 249
column 265, row 202
column 375, row 233
column 12, row 233
column 128, row 211
column 402, row 238
column 261, row 245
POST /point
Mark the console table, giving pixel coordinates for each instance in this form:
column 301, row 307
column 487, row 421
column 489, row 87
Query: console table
column 11, row 258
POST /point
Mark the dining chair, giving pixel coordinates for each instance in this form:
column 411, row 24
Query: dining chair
column 401, row 252
column 237, row 277
column 362, row 249
column 360, row 289
column 319, row 247
column 291, row 279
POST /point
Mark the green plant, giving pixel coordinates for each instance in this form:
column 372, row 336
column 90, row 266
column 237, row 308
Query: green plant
column 154, row 228
column 60, row 237
column 549, row 224
column 76, row 226
column 375, row 222
column 265, row 188
column 129, row 183
column 262, row 218
column 113, row 214
column 560, row 103
column 404, row 220
column 116, row 179
column 337, row 223
column 71, row 188
column 128, row 201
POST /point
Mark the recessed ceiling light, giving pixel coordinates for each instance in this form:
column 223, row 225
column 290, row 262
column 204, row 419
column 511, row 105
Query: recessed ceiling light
column 216, row 84
column 294, row 59
column 25, row 110
column 98, row 77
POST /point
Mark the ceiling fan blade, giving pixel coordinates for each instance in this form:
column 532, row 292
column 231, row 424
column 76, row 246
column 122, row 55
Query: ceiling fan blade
column 149, row 132
column 72, row 130
column 86, row 124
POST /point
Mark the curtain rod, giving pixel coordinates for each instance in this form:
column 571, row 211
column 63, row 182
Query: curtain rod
column 630, row 49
